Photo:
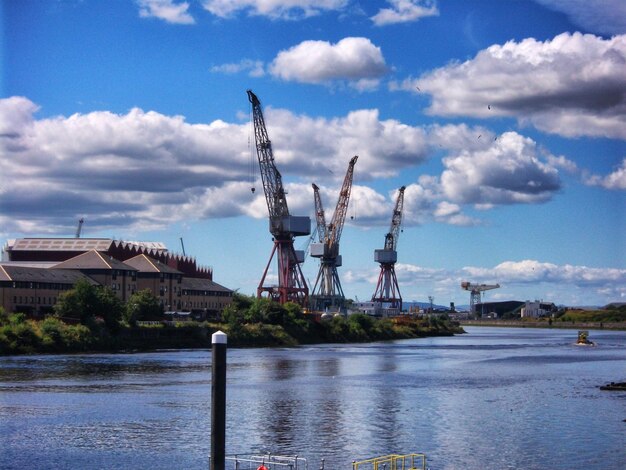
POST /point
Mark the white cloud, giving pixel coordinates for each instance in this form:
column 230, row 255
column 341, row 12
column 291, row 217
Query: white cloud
column 255, row 68
column 321, row 146
column 532, row 271
column 519, row 280
column 601, row 16
column 404, row 11
column 142, row 168
column 573, row 85
column 614, row 180
column 166, row 10
column 352, row 59
column 509, row 171
column 275, row 9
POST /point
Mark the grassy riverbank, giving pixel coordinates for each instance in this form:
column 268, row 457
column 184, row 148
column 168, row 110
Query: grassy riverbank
column 248, row 323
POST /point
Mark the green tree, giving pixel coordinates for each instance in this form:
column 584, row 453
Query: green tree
column 109, row 307
column 79, row 303
column 143, row 306
column 87, row 302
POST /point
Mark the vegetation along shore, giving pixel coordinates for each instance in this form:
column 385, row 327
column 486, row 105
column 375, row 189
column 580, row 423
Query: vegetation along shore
column 609, row 318
column 88, row 319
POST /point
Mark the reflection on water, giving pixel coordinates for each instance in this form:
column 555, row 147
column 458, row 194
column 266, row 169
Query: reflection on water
column 491, row 399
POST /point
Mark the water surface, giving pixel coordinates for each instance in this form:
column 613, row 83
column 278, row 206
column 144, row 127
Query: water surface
column 495, row 398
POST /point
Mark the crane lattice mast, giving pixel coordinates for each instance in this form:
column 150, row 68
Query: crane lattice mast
column 387, row 289
column 79, row 228
column 327, row 291
column 284, row 227
column 476, row 291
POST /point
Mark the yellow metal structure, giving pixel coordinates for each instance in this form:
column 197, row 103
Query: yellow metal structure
column 392, row 462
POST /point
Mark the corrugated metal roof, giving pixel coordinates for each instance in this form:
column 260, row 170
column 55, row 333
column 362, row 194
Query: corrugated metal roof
column 61, row 244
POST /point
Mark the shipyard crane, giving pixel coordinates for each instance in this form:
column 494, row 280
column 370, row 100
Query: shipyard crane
column 79, row 228
column 327, row 291
column 476, row 291
column 284, row 227
column 387, row 289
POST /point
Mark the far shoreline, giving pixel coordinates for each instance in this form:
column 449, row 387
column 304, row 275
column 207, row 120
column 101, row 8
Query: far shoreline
column 555, row 324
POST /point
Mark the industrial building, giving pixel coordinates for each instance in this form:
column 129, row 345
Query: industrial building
column 34, row 271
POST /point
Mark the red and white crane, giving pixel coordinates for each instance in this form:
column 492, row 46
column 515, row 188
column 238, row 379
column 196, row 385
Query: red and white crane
column 387, row 289
column 284, row 227
column 327, row 291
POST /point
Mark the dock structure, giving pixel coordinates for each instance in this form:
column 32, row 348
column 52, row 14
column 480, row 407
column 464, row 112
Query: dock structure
column 267, row 462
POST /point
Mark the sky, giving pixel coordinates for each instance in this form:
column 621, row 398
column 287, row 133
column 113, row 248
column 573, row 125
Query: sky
column 505, row 120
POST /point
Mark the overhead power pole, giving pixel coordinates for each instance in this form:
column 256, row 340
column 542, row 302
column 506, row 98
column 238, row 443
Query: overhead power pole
column 284, row 227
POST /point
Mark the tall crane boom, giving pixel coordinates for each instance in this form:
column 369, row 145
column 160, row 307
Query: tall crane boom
column 387, row 289
column 79, row 228
column 270, row 176
column 391, row 240
column 327, row 291
column 283, row 226
column 319, row 214
column 339, row 216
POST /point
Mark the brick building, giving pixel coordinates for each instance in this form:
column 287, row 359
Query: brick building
column 34, row 271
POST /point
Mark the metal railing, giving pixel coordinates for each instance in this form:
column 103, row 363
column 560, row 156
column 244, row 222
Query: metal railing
column 392, row 462
column 267, row 461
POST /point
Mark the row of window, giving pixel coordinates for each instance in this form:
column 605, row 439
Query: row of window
column 215, row 305
column 18, row 299
column 178, row 277
column 115, row 273
column 41, row 285
column 206, row 293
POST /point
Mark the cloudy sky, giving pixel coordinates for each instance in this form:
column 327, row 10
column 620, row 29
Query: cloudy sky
column 505, row 120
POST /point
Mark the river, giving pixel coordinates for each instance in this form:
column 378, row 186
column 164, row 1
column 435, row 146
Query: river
column 495, row 398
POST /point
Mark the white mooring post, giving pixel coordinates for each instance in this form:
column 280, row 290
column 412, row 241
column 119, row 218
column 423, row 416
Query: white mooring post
column 218, row 401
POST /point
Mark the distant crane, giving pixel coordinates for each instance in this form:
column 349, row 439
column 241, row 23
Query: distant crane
column 327, row 291
column 387, row 289
column 284, row 227
column 476, row 291
column 79, row 228
column 182, row 245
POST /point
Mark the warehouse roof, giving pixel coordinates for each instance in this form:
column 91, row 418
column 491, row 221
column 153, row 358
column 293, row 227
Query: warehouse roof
column 192, row 283
column 145, row 264
column 60, row 244
column 94, row 260
column 10, row 272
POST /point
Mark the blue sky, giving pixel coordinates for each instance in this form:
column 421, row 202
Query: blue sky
column 505, row 120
